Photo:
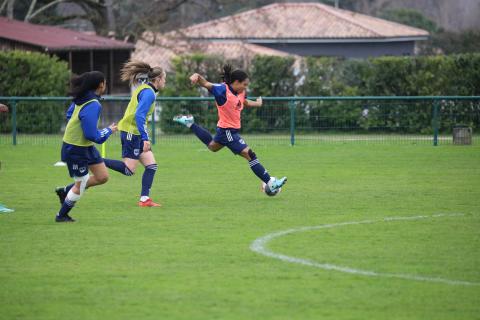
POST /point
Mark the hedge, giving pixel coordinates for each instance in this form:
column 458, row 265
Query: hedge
column 385, row 76
column 24, row 73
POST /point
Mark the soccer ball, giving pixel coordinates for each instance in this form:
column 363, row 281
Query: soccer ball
column 266, row 188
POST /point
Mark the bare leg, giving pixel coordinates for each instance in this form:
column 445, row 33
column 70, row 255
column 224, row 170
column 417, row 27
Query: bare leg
column 245, row 154
column 215, row 146
column 146, row 158
column 76, row 187
column 131, row 163
column 100, row 175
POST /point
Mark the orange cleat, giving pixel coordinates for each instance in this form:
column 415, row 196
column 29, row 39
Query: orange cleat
column 148, row 203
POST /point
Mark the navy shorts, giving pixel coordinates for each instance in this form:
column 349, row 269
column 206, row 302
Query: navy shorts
column 231, row 139
column 132, row 145
column 79, row 158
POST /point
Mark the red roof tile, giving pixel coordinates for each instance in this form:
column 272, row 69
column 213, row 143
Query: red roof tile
column 55, row 38
column 299, row 21
column 234, row 37
column 165, row 49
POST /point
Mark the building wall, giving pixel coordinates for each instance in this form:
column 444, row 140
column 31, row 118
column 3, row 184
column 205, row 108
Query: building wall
column 6, row 44
column 348, row 50
column 86, row 60
column 119, row 58
column 101, row 62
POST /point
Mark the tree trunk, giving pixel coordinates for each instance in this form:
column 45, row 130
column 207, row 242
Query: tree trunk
column 4, row 4
column 45, row 7
column 110, row 19
column 30, row 10
column 10, row 6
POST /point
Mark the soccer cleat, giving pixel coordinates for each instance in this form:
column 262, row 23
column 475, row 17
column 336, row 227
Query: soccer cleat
column 186, row 120
column 60, row 191
column 278, row 183
column 65, row 218
column 148, row 203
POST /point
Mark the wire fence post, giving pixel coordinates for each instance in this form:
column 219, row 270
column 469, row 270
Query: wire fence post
column 153, row 127
column 292, row 122
column 435, row 122
column 14, row 122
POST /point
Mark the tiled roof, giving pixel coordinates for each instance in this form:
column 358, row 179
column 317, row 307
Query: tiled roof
column 55, row 38
column 165, row 49
column 235, row 36
column 299, row 21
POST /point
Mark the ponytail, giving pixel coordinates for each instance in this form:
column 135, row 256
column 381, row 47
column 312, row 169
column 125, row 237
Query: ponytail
column 137, row 71
column 229, row 75
column 85, row 82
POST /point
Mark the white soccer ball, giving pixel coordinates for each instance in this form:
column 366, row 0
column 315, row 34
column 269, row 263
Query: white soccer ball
column 267, row 188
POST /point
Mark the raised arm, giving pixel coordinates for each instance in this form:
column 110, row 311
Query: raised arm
column 198, row 79
column 256, row 103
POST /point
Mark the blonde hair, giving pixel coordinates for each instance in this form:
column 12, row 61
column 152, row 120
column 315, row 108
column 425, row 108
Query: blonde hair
column 138, row 71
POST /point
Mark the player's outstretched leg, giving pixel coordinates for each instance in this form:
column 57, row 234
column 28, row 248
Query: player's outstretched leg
column 200, row 132
column 186, row 120
column 260, row 171
column 278, row 183
column 118, row 166
column 257, row 167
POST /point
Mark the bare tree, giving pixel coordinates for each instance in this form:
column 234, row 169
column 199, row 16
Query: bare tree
column 141, row 15
column 111, row 25
column 30, row 10
column 32, row 14
column 34, row 8
column 4, row 4
column 370, row 7
column 10, row 5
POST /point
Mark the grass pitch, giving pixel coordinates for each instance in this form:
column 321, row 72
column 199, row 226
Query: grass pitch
column 190, row 259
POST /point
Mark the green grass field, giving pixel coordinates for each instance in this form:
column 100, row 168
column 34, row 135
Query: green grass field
column 191, row 259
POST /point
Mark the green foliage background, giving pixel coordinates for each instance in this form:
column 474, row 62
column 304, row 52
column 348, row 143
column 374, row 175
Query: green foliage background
column 386, row 76
column 36, row 74
column 33, row 74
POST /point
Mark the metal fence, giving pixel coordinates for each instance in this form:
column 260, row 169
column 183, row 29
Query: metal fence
column 284, row 120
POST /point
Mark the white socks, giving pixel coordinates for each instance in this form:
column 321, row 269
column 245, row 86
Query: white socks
column 72, row 196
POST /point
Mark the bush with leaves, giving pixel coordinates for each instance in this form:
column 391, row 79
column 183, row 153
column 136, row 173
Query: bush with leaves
column 422, row 76
column 327, row 77
column 273, row 77
column 385, row 76
column 34, row 74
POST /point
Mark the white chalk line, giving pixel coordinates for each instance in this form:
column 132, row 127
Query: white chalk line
column 260, row 246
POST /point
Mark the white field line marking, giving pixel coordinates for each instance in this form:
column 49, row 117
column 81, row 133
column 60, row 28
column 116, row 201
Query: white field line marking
column 260, row 246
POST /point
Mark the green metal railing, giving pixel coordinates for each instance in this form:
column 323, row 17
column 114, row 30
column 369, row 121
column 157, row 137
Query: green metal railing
column 308, row 116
